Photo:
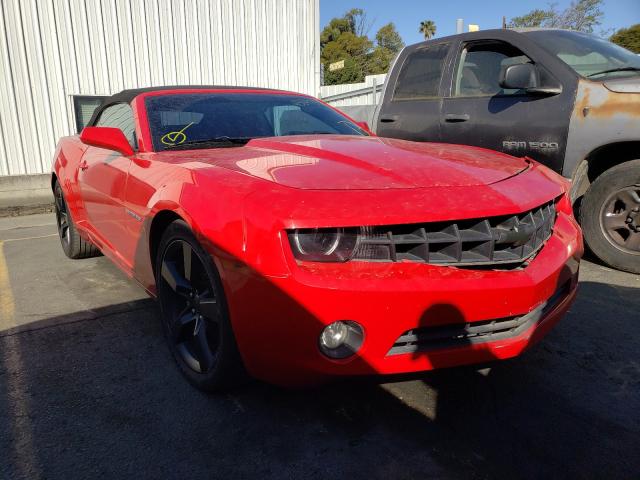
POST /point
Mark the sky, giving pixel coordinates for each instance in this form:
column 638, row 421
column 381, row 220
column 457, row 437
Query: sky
column 407, row 14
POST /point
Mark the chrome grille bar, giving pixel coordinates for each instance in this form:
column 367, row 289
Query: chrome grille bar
column 488, row 241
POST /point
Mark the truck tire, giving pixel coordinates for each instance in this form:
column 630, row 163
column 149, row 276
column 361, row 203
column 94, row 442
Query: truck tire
column 73, row 245
column 610, row 217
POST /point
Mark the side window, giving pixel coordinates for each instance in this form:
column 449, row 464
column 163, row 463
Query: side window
column 120, row 116
column 421, row 73
column 478, row 72
column 83, row 107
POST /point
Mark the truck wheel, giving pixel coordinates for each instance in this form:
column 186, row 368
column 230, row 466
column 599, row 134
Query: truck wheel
column 72, row 244
column 610, row 217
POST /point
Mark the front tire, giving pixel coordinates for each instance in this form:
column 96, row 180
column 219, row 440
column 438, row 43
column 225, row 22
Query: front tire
column 610, row 217
column 73, row 245
column 194, row 312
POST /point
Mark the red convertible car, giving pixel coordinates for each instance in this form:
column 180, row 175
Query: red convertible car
column 284, row 240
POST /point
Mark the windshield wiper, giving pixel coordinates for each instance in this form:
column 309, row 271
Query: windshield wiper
column 611, row 70
column 223, row 141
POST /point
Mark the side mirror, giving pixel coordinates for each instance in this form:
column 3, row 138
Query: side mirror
column 365, row 127
column 523, row 76
column 106, row 137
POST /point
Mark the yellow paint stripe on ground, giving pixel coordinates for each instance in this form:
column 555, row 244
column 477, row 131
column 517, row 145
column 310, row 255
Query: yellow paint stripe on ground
column 29, row 238
column 19, row 410
column 7, row 306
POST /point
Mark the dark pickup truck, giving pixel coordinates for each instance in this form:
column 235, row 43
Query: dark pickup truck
column 566, row 99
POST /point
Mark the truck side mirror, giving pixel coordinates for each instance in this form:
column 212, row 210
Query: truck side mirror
column 523, row 76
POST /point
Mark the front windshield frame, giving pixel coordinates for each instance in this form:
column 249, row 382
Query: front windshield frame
column 159, row 105
column 559, row 42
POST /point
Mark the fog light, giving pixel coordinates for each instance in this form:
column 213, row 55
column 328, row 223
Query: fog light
column 341, row 339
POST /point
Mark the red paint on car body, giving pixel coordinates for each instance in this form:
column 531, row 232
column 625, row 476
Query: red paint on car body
column 240, row 201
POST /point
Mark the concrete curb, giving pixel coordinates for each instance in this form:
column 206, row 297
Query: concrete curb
column 25, row 192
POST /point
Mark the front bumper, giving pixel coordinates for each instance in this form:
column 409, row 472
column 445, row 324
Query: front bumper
column 277, row 320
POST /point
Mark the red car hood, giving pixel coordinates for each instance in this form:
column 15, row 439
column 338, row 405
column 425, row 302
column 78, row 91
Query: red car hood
column 338, row 162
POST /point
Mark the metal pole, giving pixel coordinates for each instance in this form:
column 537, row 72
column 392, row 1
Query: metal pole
column 373, row 90
column 459, row 25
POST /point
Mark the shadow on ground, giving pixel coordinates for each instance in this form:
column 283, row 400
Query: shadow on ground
column 82, row 397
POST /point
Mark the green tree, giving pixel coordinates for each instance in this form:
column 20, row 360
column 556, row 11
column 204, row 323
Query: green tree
column 388, row 44
column 427, row 28
column 580, row 15
column 345, row 38
column 534, row 19
column 628, row 38
column 389, row 38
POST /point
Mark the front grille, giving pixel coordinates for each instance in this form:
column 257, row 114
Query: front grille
column 463, row 334
column 488, row 241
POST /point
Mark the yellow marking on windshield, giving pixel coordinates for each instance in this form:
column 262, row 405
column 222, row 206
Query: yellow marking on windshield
column 175, row 138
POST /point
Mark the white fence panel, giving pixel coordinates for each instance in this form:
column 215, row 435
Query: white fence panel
column 349, row 94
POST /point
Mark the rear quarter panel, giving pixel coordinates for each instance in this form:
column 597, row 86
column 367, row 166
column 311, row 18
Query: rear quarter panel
column 67, row 157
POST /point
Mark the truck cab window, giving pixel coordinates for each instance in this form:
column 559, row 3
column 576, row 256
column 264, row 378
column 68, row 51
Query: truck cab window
column 421, row 73
column 479, row 67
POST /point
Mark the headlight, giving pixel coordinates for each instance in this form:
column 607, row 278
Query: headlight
column 324, row 244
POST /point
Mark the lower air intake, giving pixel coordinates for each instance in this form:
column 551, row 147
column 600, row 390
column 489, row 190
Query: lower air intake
column 463, row 334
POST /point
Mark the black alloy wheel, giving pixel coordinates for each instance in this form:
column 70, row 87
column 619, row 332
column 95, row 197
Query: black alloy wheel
column 73, row 245
column 62, row 217
column 194, row 312
column 190, row 304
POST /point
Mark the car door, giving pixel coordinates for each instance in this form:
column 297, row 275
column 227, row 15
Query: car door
column 412, row 102
column 102, row 178
column 478, row 111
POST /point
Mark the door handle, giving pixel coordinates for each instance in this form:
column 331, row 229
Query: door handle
column 456, row 118
column 83, row 165
column 389, row 118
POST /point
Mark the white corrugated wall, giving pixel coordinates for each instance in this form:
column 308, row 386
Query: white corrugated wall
column 53, row 49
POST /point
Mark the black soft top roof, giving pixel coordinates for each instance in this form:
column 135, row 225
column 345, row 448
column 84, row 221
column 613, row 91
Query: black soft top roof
column 127, row 96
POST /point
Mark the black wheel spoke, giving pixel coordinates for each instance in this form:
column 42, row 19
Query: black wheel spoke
column 186, row 257
column 179, row 327
column 204, row 354
column 174, row 279
column 60, row 202
column 62, row 217
column 209, row 309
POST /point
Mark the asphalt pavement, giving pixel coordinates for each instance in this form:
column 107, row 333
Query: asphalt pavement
column 88, row 389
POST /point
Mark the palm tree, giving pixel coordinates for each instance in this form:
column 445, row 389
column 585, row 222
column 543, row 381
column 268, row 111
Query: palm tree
column 427, row 28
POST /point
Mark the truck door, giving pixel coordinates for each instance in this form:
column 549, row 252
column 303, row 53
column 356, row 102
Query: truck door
column 478, row 111
column 411, row 105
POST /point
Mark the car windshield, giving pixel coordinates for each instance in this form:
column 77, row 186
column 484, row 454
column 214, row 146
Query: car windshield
column 589, row 56
column 210, row 120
